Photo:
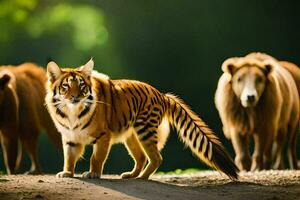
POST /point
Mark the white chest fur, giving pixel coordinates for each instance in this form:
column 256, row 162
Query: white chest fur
column 71, row 130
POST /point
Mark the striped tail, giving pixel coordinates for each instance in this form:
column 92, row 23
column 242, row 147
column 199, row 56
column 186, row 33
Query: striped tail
column 202, row 141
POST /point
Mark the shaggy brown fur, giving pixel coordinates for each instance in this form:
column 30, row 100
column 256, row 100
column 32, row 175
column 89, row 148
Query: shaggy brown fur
column 294, row 70
column 23, row 114
column 271, row 122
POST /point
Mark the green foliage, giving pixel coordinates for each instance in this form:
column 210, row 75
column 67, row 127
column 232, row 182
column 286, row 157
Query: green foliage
column 84, row 24
column 177, row 46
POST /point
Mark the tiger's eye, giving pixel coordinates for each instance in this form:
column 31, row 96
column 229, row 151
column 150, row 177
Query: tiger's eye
column 85, row 91
column 63, row 90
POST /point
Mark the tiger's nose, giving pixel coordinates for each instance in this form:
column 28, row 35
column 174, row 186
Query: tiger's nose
column 74, row 99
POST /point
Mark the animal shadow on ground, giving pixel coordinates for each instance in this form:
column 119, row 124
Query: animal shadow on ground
column 152, row 189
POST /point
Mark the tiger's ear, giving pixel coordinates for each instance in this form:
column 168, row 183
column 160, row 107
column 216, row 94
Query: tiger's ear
column 53, row 71
column 4, row 80
column 87, row 68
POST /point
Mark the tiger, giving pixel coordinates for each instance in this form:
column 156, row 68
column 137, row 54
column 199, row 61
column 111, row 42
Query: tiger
column 88, row 107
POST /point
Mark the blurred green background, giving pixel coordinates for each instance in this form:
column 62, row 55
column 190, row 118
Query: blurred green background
column 175, row 45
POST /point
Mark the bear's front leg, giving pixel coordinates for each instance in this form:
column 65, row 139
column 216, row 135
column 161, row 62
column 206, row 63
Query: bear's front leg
column 241, row 147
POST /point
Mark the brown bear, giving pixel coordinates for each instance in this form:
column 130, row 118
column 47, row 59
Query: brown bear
column 23, row 114
column 258, row 98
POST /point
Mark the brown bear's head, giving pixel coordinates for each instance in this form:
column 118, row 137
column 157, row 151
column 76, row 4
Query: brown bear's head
column 248, row 78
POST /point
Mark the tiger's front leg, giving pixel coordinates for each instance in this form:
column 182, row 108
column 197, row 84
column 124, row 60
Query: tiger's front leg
column 72, row 152
column 100, row 152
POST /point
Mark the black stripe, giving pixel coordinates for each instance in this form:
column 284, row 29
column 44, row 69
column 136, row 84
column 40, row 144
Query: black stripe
column 136, row 90
column 183, row 123
column 85, row 111
column 76, row 126
column 144, row 129
column 163, row 105
column 129, row 89
column 142, row 90
column 111, row 90
column 206, row 150
column 188, row 125
column 154, row 115
column 90, row 120
column 104, row 99
column 157, row 95
column 148, row 135
column 144, row 118
column 124, row 119
column 153, row 121
column 201, row 143
column 60, row 113
column 147, row 90
column 137, row 124
column 66, row 127
column 144, row 112
column 177, row 118
column 54, row 100
column 152, row 102
column 142, row 106
column 54, row 91
column 102, row 90
column 192, row 133
column 155, row 100
column 174, row 111
column 71, row 144
column 90, row 97
column 155, row 109
column 130, row 110
column 195, row 140
column 122, row 89
column 134, row 104
column 120, row 126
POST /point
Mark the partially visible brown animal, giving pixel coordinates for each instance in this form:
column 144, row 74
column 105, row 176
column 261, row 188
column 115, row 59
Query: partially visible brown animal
column 23, row 114
column 257, row 97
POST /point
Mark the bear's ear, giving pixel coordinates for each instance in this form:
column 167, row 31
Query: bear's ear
column 53, row 71
column 229, row 66
column 87, row 68
column 268, row 68
column 4, row 80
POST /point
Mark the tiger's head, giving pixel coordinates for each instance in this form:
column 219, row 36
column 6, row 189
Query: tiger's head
column 70, row 87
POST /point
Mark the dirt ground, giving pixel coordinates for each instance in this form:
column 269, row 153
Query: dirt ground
column 270, row 185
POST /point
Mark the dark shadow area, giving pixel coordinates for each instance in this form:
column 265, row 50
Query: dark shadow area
column 150, row 189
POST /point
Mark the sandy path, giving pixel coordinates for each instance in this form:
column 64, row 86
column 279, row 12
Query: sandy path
column 271, row 185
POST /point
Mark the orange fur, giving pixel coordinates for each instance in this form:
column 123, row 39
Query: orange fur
column 89, row 108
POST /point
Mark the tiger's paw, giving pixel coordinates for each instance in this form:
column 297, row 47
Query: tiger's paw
column 90, row 175
column 64, row 174
column 127, row 175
